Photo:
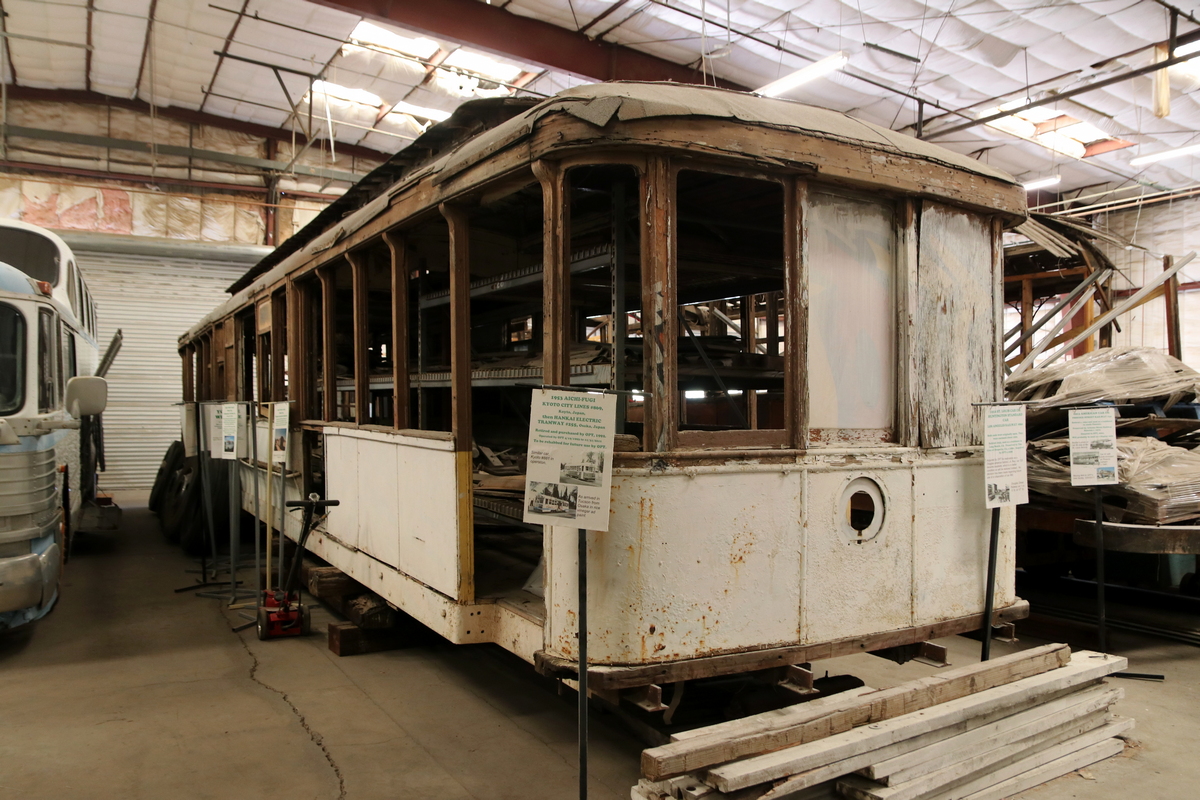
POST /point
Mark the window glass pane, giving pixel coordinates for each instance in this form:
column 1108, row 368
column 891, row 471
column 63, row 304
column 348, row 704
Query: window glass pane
column 852, row 321
column 730, row 282
column 46, row 367
column 72, row 369
column 30, row 252
column 12, row 360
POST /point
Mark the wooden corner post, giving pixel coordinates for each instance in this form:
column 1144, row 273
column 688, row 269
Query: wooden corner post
column 362, row 375
column 457, row 220
column 399, row 272
column 660, row 307
column 556, row 258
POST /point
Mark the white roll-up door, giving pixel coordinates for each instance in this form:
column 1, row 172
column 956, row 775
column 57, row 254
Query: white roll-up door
column 152, row 299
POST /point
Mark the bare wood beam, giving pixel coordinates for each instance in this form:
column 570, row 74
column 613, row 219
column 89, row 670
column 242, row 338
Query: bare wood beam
column 399, row 271
column 328, row 345
column 795, row 322
column 362, row 386
column 496, row 30
column 460, row 324
column 660, row 315
column 556, row 297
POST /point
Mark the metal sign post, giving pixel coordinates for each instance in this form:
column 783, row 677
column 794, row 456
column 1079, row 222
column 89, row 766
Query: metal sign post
column 569, row 480
column 1007, row 484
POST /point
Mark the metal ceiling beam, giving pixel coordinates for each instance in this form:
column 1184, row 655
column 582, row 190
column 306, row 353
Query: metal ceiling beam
column 1054, row 98
column 522, row 38
column 182, row 115
column 176, row 150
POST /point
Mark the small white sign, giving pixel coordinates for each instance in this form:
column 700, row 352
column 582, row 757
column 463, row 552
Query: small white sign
column 1004, row 462
column 1093, row 439
column 279, row 433
column 229, row 431
column 187, row 426
column 568, row 479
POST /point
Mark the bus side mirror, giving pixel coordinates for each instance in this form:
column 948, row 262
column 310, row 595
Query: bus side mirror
column 87, row 396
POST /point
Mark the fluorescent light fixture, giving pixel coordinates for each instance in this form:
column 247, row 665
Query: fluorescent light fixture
column 1042, row 183
column 1165, row 154
column 483, row 65
column 815, row 70
column 420, row 47
column 694, row 394
column 346, row 93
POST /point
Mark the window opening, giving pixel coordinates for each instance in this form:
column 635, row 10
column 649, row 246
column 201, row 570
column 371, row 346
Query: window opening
column 12, row 360
column 377, row 263
column 428, row 264
column 731, row 314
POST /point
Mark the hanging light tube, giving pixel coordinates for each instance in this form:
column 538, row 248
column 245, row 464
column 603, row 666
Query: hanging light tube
column 1165, row 154
column 1042, row 183
column 803, row 75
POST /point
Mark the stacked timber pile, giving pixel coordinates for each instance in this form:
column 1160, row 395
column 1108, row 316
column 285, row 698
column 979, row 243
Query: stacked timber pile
column 981, row 732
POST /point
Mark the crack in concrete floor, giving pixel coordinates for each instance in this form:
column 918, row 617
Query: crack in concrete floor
column 317, row 738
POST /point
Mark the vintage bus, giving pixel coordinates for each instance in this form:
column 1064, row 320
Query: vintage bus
column 797, row 308
column 49, row 399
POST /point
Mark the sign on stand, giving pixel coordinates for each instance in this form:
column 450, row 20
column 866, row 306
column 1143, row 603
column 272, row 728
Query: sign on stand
column 230, row 417
column 1004, row 461
column 1093, row 440
column 568, row 480
column 279, row 433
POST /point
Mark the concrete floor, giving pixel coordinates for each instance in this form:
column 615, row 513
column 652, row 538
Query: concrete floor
column 128, row 690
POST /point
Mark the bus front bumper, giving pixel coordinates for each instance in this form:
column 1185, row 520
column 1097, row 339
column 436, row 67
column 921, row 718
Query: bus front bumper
column 29, row 582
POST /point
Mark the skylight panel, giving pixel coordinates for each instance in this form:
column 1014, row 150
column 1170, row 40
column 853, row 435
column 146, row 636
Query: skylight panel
column 366, row 33
column 481, row 64
column 346, row 93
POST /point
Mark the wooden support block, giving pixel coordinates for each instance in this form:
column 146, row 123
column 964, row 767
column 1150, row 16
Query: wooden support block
column 347, row 639
column 369, row 611
column 327, row 582
column 828, row 757
column 821, row 702
column 759, row 735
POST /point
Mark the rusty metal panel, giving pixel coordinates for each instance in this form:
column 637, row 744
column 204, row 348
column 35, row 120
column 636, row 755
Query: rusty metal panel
column 857, row 582
column 950, row 560
column 955, row 334
column 695, row 563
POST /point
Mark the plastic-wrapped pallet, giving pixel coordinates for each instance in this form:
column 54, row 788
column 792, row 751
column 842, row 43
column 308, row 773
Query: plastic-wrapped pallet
column 1160, row 483
column 1114, row 374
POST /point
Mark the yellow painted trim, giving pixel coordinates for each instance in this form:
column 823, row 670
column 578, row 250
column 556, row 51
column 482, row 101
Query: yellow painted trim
column 466, row 529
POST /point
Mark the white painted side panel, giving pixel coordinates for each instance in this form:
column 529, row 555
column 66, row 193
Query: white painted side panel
column 955, row 339
column 399, row 502
column 854, row 587
column 951, row 556
column 692, row 565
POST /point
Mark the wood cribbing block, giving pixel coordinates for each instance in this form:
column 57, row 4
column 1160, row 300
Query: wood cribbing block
column 756, row 734
column 821, row 760
column 347, row 639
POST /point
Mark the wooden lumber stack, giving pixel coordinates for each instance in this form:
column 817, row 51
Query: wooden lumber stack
column 980, row 732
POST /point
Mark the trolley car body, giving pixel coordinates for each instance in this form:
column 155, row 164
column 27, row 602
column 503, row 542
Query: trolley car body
column 799, row 308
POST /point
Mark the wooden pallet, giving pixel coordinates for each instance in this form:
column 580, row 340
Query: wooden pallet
column 979, row 732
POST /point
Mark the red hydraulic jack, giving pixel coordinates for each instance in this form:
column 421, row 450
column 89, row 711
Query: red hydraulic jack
column 281, row 613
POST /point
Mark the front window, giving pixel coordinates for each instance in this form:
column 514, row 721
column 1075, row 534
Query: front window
column 12, row 360
column 47, row 366
column 30, row 252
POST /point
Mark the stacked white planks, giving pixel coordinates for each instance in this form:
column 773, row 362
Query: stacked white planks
column 981, row 732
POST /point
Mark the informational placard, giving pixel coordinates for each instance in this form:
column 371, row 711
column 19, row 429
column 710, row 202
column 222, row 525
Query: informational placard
column 187, row 428
column 279, row 433
column 1004, row 462
column 1093, row 439
column 229, row 432
column 568, row 479
column 213, row 428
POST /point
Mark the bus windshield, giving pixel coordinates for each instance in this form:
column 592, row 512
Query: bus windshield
column 30, row 252
column 12, row 359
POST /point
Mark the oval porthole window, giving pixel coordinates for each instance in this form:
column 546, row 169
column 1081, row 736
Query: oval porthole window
column 860, row 510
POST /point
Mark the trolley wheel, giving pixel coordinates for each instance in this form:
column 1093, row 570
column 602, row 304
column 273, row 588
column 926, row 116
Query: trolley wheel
column 305, row 620
column 166, row 470
column 263, row 623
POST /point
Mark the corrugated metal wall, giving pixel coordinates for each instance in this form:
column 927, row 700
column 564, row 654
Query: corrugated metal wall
column 153, row 300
